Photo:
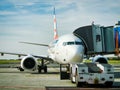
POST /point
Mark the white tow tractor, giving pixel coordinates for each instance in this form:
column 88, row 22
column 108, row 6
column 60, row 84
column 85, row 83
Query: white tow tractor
column 92, row 73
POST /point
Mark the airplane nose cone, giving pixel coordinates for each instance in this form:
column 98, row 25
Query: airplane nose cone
column 76, row 54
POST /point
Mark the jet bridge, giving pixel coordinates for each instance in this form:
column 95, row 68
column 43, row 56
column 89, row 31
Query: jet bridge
column 97, row 39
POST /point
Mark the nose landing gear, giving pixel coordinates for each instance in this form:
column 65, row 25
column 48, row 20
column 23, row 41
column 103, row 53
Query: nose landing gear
column 64, row 71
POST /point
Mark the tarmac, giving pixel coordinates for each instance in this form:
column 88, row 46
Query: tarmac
column 13, row 79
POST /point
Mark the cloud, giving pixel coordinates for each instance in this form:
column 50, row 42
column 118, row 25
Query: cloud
column 32, row 20
column 8, row 13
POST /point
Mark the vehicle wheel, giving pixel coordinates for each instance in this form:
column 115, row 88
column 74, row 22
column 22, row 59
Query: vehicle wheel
column 108, row 84
column 78, row 84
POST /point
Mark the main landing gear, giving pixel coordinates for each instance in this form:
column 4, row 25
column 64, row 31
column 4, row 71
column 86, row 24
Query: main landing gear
column 42, row 67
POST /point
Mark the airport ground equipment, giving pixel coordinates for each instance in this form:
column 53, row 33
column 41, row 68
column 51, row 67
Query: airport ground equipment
column 92, row 74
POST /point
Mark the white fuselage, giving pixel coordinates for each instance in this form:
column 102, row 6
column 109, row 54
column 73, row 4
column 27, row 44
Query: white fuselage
column 67, row 49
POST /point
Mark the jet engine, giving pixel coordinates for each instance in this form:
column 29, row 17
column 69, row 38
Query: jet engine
column 29, row 63
column 100, row 59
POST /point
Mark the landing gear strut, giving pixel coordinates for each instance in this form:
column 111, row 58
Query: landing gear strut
column 64, row 71
column 42, row 67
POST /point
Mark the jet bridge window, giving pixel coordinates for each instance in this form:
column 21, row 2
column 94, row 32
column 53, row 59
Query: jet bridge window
column 72, row 43
column 98, row 39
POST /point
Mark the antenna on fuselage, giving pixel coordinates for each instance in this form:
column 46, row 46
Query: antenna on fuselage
column 55, row 25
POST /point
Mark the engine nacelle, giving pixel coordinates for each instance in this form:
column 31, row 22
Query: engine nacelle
column 29, row 63
column 100, row 59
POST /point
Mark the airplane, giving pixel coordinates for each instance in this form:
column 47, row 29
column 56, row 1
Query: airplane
column 66, row 49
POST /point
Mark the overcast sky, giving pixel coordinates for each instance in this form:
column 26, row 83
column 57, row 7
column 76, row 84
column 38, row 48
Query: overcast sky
column 32, row 21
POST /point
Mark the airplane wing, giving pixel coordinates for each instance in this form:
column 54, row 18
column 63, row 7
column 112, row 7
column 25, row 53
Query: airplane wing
column 36, row 44
column 19, row 55
column 42, row 57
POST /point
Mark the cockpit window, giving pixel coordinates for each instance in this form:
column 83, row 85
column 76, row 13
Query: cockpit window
column 78, row 43
column 72, row 43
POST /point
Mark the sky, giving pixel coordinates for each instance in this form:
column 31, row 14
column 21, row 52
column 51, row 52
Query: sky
column 32, row 21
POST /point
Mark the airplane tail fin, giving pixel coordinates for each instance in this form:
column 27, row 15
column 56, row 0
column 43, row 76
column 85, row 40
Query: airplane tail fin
column 55, row 26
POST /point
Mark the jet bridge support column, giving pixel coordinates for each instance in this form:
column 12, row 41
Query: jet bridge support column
column 64, row 71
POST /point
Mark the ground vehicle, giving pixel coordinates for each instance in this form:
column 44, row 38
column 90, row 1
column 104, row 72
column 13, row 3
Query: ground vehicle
column 92, row 73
